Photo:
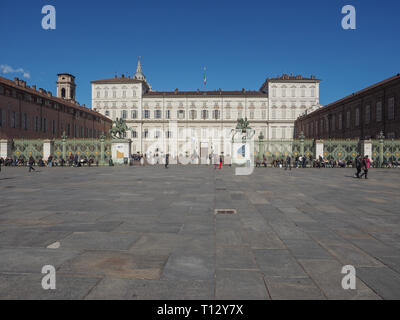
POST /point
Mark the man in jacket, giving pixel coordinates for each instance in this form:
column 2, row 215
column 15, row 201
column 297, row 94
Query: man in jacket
column 358, row 166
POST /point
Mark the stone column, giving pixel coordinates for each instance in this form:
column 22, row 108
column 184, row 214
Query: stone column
column 48, row 149
column 381, row 146
column 5, row 149
column 302, row 137
column 120, row 150
column 102, row 139
column 319, row 149
column 366, row 148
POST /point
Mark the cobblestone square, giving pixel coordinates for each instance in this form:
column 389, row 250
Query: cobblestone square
column 152, row 233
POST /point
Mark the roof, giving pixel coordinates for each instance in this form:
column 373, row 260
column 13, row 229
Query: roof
column 206, row 93
column 117, row 80
column 45, row 95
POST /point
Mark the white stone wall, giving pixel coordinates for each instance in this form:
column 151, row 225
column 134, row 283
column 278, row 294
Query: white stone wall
column 273, row 114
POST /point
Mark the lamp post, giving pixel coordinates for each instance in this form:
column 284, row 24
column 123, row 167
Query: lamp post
column 302, row 137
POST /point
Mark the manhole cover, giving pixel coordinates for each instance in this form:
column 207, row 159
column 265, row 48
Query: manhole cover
column 225, row 211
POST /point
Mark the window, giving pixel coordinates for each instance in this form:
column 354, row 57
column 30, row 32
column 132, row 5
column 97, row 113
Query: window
column 181, row 114
column 54, row 126
column 273, row 116
column 114, row 94
column 283, row 115
column 147, row 114
column 134, row 114
column 293, row 92
column 134, row 134
column 313, row 92
column 293, row 114
column 13, row 119
column 193, row 114
column 107, row 113
column 169, row 134
column 157, row 134
column 168, row 114
column 357, row 117
column 263, row 114
column 274, row 92
column 124, row 94
column 340, row 121
column 63, row 92
column 333, row 123
column 273, row 133
column 106, row 94
column 44, row 125
column 204, row 114
column 367, row 114
column 146, row 133
column 391, row 109
column 1, row 118
column 98, row 94
column 348, row 120
column 303, row 92
column 216, row 114
column 283, row 92
column 124, row 114
column 239, row 114
column 157, row 114
column 379, row 111
column 68, row 129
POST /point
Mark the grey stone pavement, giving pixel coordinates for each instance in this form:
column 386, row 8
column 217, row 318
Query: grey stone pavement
column 151, row 233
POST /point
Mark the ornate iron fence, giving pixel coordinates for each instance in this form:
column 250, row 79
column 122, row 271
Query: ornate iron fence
column 26, row 148
column 278, row 149
column 341, row 149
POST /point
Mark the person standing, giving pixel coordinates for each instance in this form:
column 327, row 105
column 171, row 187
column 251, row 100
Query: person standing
column 358, row 166
column 288, row 163
column 221, row 161
column 31, row 162
column 366, row 164
column 166, row 160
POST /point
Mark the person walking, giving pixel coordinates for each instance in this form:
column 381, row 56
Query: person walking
column 221, row 161
column 366, row 164
column 288, row 163
column 166, row 160
column 31, row 162
column 358, row 166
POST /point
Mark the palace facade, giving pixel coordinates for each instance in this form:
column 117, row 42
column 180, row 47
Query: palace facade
column 362, row 115
column 202, row 119
column 28, row 113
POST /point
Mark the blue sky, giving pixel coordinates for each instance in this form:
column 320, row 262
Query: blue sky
column 240, row 42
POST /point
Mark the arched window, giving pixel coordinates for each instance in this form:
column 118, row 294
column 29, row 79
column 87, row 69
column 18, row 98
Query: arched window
column 63, row 92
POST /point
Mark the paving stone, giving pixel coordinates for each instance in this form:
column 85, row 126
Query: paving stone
column 240, row 285
column 29, row 287
column 235, row 258
column 123, row 289
column 293, row 289
column 100, row 240
column 188, row 265
column 384, row 281
column 328, row 277
column 307, row 249
column 278, row 263
column 115, row 264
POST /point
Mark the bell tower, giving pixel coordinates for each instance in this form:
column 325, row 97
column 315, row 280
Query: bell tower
column 66, row 87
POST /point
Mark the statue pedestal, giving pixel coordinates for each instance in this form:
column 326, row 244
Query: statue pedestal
column 120, row 150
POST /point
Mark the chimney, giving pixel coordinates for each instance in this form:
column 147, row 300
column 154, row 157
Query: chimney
column 16, row 81
column 34, row 87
